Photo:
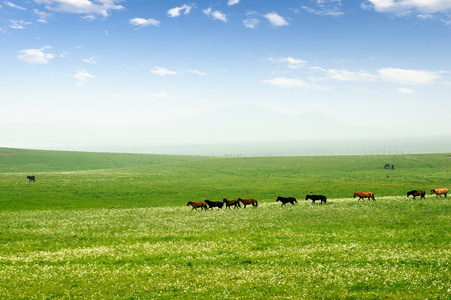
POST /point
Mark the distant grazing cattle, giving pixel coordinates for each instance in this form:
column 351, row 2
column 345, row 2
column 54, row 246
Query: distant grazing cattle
column 234, row 203
column 31, row 178
column 387, row 166
column 415, row 193
column 286, row 200
column 439, row 192
column 316, row 198
column 196, row 205
column 363, row 195
column 212, row 204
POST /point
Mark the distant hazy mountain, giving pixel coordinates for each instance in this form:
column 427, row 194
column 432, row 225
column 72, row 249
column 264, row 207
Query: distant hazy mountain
column 232, row 129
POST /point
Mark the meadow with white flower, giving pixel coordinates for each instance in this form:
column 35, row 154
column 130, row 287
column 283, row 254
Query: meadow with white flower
column 85, row 234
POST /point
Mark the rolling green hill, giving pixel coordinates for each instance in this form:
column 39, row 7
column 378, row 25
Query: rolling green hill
column 105, row 180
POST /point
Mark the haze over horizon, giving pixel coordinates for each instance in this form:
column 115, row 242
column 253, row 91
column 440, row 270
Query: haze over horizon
column 237, row 71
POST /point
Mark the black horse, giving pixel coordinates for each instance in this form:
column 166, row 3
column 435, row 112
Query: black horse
column 212, row 204
column 286, row 200
column 31, row 178
column 316, row 198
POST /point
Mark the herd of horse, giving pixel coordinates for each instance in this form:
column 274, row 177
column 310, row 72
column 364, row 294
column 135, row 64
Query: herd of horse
column 207, row 204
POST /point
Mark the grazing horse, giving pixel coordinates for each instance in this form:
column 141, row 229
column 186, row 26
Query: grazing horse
column 387, row 166
column 248, row 202
column 316, row 198
column 31, row 178
column 439, row 192
column 212, row 204
column 286, row 200
column 228, row 203
column 415, row 193
column 363, row 195
column 196, row 205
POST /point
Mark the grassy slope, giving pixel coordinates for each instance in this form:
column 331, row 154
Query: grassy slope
column 105, row 180
column 389, row 249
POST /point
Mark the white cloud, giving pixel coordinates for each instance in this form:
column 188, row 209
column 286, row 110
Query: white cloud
column 403, row 7
column 35, row 56
column 405, row 91
column 160, row 95
column 410, row 77
column 251, row 23
column 162, row 71
column 233, row 2
column 90, row 60
column 18, row 24
column 276, row 20
column 85, row 7
column 10, row 4
column 176, row 11
column 197, row 72
column 144, row 22
column 326, row 8
column 345, row 75
column 292, row 63
column 217, row 15
column 82, row 77
column 287, row 83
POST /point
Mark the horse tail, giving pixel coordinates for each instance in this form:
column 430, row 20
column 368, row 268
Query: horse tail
column 256, row 203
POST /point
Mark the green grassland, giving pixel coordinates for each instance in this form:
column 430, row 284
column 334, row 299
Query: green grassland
column 116, row 226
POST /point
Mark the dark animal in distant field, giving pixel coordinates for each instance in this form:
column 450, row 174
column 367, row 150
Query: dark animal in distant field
column 31, row 178
column 387, row 166
column 363, row 195
column 234, row 203
column 415, row 193
column 212, row 204
column 286, row 200
column 196, row 205
column 439, row 192
column 316, row 198
column 246, row 202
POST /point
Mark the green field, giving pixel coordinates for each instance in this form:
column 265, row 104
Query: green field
column 116, row 226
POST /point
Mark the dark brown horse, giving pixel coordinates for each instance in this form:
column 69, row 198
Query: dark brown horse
column 363, row 195
column 234, row 203
column 415, row 193
column 439, row 192
column 246, row 202
column 196, row 205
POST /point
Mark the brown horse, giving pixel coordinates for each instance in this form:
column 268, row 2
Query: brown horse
column 228, row 203
column 196, row 205
column 248, row 202
column 439, row 192
column 363, row 195
column 415, row 193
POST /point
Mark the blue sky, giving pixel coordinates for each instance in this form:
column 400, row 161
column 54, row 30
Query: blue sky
column 384, row 63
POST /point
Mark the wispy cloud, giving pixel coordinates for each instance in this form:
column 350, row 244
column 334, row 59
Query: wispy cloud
column 409, row 77
column 251, row 23
column 35, row 56
column 82, row 77
column 140, row 22
column 10, row 4
column 325, row 8
column 176, row 11
column 18, row 24
column 90, row 60
column 276, row 20
column 196, row 72
column 162, row 71
column 215, row 14
column 406, row 7
column 290, row 62
column 233, row 2
column 84, row 7
column 289, row 83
